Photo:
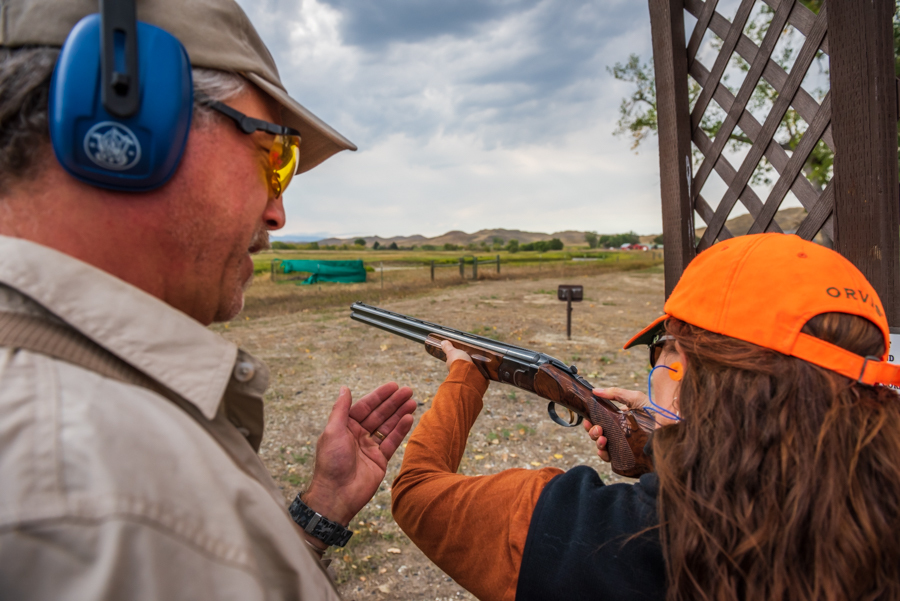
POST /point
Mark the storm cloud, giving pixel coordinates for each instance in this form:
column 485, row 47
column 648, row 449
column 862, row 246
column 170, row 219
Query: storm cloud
column 468, row 114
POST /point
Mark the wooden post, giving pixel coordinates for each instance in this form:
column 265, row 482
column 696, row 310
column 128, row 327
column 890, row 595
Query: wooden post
column 462, row 267
column 498, row 263
column 382, row 275
column 432, row 271
column 674, row 119
column 569, row 315
column 474, row 268
column 864, row 123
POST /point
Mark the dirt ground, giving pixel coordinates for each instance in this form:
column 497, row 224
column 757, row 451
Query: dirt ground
column 312, row 353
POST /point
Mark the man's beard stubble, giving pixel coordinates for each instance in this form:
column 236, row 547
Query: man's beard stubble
column 258, row 243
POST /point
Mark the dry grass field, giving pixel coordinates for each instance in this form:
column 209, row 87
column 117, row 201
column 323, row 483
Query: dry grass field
column 312, row 348
column 409, row 274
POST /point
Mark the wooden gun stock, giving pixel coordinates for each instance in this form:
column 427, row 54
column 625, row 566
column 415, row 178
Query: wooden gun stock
column 626, row 432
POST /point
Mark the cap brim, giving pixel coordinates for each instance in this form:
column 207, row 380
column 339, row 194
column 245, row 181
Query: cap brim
column 646, row 335
column 318, row 141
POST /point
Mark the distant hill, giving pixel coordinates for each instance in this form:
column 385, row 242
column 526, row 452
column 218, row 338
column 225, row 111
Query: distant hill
column 568, row 237
column 297, row 238
column 788, row 219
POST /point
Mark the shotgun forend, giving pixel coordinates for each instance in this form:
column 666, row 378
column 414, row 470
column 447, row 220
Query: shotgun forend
column 626, row 431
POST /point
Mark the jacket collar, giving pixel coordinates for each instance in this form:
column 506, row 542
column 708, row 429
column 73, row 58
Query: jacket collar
column 140, row 329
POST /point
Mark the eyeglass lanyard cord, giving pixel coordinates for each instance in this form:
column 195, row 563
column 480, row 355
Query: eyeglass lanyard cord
column 661, row 410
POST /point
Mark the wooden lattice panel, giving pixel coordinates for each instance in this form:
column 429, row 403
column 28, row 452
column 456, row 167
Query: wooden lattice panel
column 849, row 187
column 819, row 204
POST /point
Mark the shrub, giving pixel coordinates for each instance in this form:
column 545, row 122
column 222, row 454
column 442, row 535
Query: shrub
column 617, row 240
column 540, row 246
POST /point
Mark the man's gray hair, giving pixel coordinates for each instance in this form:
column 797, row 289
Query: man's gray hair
column 24, row 92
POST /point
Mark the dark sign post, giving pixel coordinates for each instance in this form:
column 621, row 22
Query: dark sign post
column 570, row 294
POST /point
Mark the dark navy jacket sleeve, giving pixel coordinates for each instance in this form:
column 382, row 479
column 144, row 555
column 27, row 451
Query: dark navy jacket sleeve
column 591, row 541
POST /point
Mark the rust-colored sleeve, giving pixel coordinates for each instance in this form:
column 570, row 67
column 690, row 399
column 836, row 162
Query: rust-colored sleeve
column 472, row 527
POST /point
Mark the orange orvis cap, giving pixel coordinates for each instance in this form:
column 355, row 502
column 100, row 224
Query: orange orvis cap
column 765, row 287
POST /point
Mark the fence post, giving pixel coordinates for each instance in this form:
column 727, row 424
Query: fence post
column 498, row 263
column 462, row 267
column 474, row 268
column 382, row 275
column 272, row 267
column 432, row 270
column 670, row 62
column 864, row 122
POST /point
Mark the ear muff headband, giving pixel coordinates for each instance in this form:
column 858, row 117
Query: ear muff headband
column 121, row 101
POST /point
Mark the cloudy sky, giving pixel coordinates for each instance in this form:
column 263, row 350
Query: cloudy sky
column 468, row 114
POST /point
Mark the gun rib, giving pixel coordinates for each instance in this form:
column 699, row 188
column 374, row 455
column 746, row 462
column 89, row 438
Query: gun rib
column 405, row 333
column 418, row 330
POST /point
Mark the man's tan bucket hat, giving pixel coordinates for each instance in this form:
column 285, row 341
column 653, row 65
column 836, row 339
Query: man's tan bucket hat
column 216, row 34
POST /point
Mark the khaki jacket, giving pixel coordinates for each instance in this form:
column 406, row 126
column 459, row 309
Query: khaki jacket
column 111, row 491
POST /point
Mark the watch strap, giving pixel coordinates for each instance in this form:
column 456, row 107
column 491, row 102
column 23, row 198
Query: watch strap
column 317, row 525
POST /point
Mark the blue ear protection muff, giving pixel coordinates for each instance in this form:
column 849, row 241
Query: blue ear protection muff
column 121, row 101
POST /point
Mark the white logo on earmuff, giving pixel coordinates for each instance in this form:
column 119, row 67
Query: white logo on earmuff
column 112, row 146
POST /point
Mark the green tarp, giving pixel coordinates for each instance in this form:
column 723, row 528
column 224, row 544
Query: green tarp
column 327, row 271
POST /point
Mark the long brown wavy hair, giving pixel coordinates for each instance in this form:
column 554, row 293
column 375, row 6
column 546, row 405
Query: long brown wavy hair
column 783, row 479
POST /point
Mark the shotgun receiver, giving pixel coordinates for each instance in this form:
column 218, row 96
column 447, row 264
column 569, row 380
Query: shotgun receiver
column 626, row 431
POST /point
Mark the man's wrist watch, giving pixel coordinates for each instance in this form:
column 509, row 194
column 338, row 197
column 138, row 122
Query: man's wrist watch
column 318, row 526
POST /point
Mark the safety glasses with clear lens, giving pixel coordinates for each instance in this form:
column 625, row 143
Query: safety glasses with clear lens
column 285, row 151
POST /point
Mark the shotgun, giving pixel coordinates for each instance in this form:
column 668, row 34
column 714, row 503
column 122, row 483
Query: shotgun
column 626, row 431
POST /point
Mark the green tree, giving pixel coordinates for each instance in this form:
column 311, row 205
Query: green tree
column 541, row 246
column 312, row 246
column 638, row 111
column 377, row 245
column 393, row 246
column 658, row 240
column 512, row 246
column 360, row 242
column 591, row 238
column 449, row 246
column 617, row 240
column 555, row 244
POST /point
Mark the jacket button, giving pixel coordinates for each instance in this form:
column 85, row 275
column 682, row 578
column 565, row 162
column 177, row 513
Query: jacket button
column 244, row 372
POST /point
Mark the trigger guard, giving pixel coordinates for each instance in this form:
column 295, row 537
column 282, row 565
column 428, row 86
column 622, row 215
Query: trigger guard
column 553, row 415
